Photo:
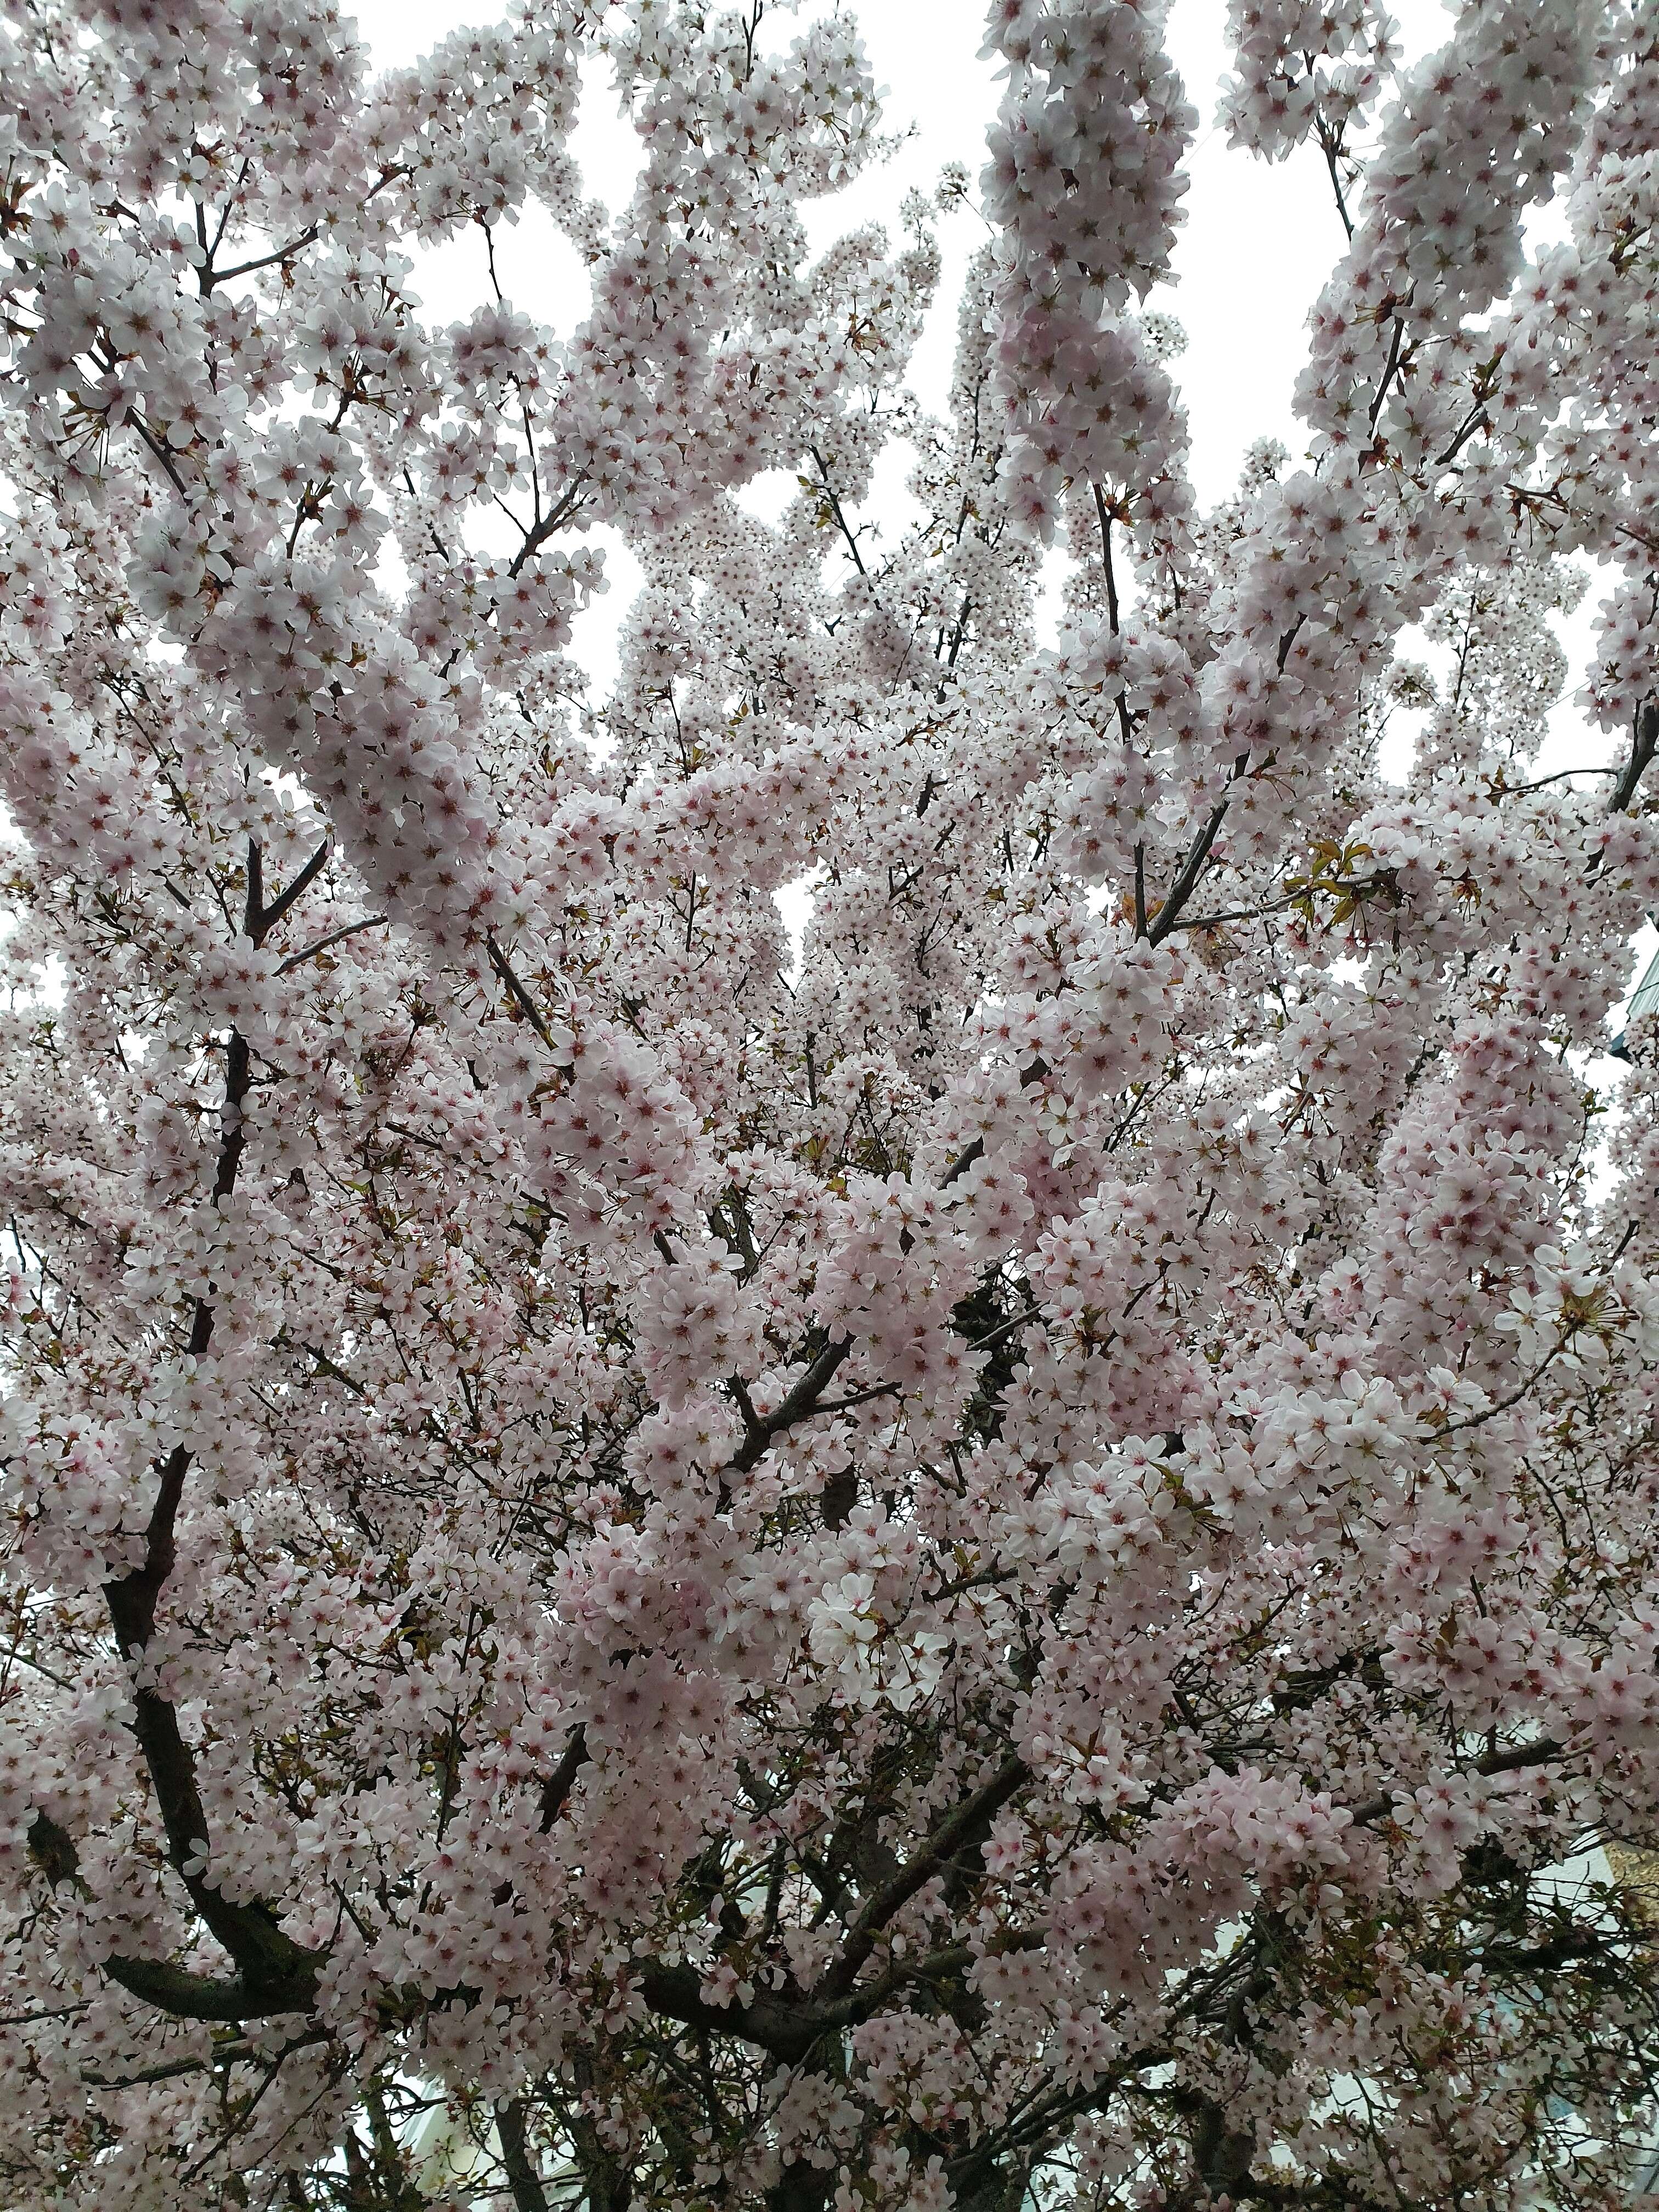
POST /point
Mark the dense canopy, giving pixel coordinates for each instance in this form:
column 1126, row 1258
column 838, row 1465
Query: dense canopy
column 1014, row 1560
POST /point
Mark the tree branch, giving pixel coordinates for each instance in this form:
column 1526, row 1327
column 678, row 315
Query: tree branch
column 208, row 276
column 1643, row 743
column 522, row 2178
column 334, row 936
column 275, row 1974
column 174, row 1989
column 559, row 1784
column 517, row 992
column 1187, row 882
column 971, row 1819
column 265, row 919
column 801, row 1401
column 788, row 2029
column 1372, row 1809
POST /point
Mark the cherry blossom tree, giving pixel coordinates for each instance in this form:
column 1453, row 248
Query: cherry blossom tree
column 1009, row 1563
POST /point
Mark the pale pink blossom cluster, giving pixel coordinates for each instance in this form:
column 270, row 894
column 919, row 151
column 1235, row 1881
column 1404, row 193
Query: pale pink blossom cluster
column 1005, row 1554
column 1085, row 184
column 1282, row 93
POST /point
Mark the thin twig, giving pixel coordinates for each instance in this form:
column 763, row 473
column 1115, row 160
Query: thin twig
column 334, row 936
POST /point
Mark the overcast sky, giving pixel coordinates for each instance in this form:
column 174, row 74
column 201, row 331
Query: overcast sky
column 1258, row 243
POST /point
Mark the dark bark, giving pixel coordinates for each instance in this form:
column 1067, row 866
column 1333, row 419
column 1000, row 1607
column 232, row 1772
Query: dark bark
column 520, row 2167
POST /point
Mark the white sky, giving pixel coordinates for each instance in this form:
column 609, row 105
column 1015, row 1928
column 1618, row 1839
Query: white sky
column 1258, row 243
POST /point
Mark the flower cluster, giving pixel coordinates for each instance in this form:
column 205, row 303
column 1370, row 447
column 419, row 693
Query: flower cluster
column 1281, row 94
column 871, row 1423
column 1085, row 182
